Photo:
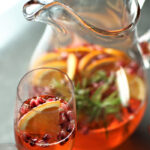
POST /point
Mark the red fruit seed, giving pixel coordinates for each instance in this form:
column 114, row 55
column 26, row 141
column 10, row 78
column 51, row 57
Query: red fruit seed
column 33, row 103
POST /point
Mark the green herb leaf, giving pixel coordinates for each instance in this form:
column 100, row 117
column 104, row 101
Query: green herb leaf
column 98, row 76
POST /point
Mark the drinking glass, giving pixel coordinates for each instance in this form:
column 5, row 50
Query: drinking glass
column 45, row 111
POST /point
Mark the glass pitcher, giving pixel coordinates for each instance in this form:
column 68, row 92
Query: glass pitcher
column 96, row 44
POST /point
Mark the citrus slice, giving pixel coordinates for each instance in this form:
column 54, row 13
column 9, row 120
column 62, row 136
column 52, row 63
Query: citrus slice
column 86, row 59
column 101, row 62
column 46, row 58
column 43, row 77
column 41, row 119
column 71, row 65
column 137, row 87
column 60, row 64
column 76, row 49
column 114, row 52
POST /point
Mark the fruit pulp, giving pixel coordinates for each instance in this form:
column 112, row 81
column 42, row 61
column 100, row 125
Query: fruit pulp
column 103, row 121
column 45, row 122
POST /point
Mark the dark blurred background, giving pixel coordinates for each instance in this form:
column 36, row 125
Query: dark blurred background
column 18, row 39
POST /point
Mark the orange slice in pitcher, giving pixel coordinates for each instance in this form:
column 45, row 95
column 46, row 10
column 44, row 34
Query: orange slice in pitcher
column 86, row 59
column 51, row 56
column 137, row 87
column 76, row 49
column 101, row 62
column 71, row 65
column 43, row 77
column 41, row 119
column 114, row 52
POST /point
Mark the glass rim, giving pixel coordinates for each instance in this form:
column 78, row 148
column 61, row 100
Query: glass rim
column 50, row 68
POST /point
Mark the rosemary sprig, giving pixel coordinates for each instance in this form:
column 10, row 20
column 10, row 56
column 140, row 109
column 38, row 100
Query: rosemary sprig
column 95, row 106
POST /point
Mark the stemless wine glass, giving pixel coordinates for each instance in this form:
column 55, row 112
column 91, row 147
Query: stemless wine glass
column 45, row 111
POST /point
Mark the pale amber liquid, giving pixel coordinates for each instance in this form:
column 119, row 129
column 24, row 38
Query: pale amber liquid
column 22, row 145
column 117, row 134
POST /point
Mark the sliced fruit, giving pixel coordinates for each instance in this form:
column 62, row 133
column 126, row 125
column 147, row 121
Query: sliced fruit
column 101, row 62
column 76, row 49
column 114, row 52
column 86, row 59
column 46, row 58
column 71, row 65
column 41, row 119
column 137, row 87
column 61, row 64
column 43, row 77
column 123, row 86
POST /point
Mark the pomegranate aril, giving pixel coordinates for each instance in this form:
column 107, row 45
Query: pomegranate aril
column 120, row 64
column 130, row 110
column 69, row 127
column 130, row 70
column 62, row 135
column 50, row 99
column 69, row 115
column 133, row 65
column 64, row 107
column 26, row 137
column 63, row 142
column 62, row 118
column 24, row 109
column 40, row 100
column 33, row 103
column 46, row 137
column 32, row 142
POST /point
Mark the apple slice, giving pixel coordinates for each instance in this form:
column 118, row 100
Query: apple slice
column 71, row 65
column 86, row 59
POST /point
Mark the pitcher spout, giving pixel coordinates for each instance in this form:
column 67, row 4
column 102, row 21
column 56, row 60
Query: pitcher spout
column 86, row 16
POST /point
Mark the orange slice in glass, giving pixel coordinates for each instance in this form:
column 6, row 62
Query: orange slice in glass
column 41, row 119
column 76, row 49
column 46, row 58
column 71, row 65
column 101, row 62
column 86, row 59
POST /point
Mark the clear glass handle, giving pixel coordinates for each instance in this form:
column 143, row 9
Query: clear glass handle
column 144, row 41
column 141, row 3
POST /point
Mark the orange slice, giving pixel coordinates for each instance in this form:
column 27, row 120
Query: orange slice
column 86, row 59
column 101, row 62
column 43, row 77
column 71, row 65
column 77, row 49
column 114, row 52
column 137, row 87
column 46, row 58
column 60, row 64
column 41, row 119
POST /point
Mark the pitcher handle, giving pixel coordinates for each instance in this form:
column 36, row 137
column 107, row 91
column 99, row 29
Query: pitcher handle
column 144, row 41
column 141, row 3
